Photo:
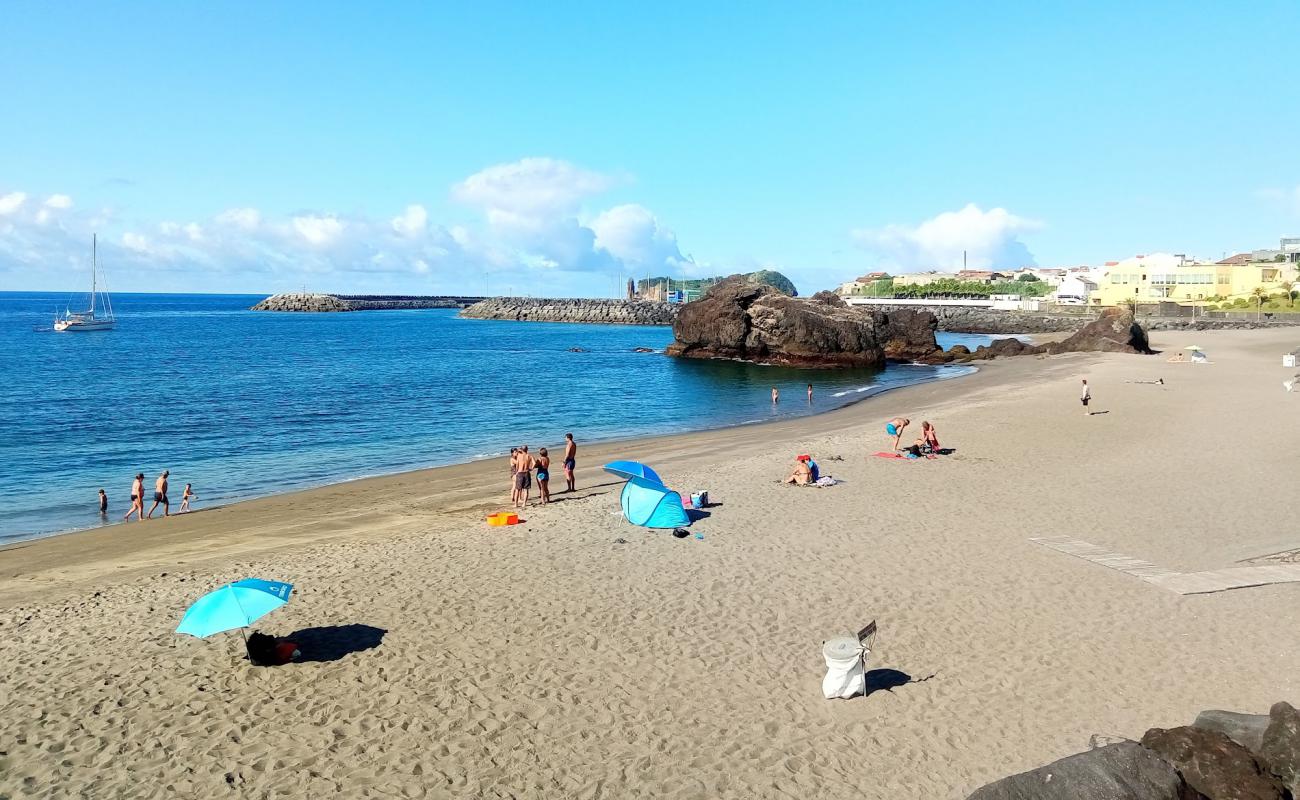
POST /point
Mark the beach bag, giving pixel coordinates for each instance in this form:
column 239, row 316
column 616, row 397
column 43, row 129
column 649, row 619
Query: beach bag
column 845, row 675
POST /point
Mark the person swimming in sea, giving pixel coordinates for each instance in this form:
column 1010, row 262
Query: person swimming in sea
column 895, row 429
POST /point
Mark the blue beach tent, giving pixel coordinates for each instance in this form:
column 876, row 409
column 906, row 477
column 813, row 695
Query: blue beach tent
column 633, row 469
column 652, row 505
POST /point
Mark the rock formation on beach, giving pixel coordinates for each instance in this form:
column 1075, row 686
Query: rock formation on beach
column 1115, row 331
column 1221, row 756
column 743, row 319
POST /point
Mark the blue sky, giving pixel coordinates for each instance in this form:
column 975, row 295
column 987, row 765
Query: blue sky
column 558, row 148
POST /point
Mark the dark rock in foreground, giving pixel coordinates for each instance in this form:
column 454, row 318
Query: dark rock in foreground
column 741, row 319
column 1280, row 747
column 1125, row 771
column 1213, row 764
column 1246, row 730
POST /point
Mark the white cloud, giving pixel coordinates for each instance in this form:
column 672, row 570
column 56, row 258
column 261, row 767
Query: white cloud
column 412, row 221
column 317, row 229
column 9, row 203
column 530, row 188
column 633, row 235
column 990, row 239
column 532, row 230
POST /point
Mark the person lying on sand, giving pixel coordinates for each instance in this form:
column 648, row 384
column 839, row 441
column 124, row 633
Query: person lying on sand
column 895, row 429
column 1177, row 358
column 802, row 475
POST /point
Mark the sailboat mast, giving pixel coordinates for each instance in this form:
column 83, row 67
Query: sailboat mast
column 94, row 247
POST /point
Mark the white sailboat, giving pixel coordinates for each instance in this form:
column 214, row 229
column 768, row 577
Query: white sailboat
column 87, row 320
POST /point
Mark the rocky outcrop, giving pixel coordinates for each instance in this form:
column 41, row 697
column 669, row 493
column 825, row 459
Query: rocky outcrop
column 302, row 302
column 537, row 309
column 742, row 319
column 1124, row 771
column 1222, row 756
column 974, row 319
column 1115, row 331
column 909, row 336
column 1213, row 764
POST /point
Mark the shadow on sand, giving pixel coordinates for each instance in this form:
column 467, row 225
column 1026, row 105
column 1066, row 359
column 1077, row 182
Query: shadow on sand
column 887, row 680
column 333, row 642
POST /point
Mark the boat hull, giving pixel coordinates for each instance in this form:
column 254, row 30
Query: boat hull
column 75, row 326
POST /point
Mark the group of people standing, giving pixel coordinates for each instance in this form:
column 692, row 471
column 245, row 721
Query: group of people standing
column 523, row 463
column 159, row 498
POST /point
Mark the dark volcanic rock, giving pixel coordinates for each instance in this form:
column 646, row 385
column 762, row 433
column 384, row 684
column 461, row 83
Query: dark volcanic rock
column 1213, row 764
column 1003, row 347
column 1280, row 748
column 909, row 336
column 828, row 298
column 1115, row 331
column 1246, row 730
column 1124, row 771
column 642, row 349
column 742, row 319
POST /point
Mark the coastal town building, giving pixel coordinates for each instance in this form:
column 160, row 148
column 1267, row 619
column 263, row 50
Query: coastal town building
column 923, row 278
column 1075, row 289
column 1162, row 276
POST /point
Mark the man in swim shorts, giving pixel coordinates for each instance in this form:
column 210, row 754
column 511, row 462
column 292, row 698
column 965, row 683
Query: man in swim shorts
column 159, row 496
column 1084, row 397
column 523, row 476
column 895, row 429
column 570, row 460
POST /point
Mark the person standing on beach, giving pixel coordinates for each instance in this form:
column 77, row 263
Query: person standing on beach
column 514, row 470
column 810, row 393
column 137, row 499
column 186, row 497
column 776, row 396
column 895, row 429
column 544, row 476
column 523, row 476
column 1085, row 396
column 103, row 503
column 159, row 496
column 570, row 460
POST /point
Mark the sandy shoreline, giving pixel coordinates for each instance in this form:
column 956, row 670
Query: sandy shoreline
column 548, row 660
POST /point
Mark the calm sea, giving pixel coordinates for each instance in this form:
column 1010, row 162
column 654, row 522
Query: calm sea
column 243, row 404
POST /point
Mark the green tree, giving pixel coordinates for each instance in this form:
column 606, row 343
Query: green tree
column 1289, row 293
column 1028, row 278
column 1259, row 294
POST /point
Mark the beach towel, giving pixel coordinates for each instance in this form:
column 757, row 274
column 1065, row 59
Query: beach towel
column 908, row 457
column 825, row 480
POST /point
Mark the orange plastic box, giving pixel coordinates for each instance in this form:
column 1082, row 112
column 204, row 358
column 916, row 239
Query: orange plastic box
column 503, row 519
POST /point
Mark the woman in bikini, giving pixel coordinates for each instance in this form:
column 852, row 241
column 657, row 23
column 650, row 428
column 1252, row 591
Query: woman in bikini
column 544, row 476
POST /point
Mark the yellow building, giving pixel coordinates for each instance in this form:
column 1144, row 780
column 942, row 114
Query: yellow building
column 1160, row 276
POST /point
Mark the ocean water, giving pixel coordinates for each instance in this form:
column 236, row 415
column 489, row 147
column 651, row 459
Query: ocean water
column 244, row 404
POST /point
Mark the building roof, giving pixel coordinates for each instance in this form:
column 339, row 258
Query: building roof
column 1240, row 258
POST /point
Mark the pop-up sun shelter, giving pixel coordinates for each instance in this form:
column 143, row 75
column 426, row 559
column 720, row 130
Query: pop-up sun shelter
column 652, row 505
column 633, row 469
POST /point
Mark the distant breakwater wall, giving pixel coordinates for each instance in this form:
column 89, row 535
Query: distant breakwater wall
column 965, row 319
column 604, row 312
column 303, row 301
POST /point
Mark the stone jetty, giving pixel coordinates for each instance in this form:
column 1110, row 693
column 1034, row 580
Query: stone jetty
column 607, row 312
column 299, row 301
column 970, row 319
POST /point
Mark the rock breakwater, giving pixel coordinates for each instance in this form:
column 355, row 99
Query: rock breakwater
column 967, row 319
column 604, row 312
column 299, row 301
column 314, row 302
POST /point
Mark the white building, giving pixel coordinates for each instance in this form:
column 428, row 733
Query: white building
column 1074, row 289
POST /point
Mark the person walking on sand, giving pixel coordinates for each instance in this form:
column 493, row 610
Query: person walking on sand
column 186, row 497
column 544, row 476
column 523, row 476
column 137, row 499
column 1085, row 396
column 103, row 503
column 776, row 396
column 570, row 461
column 159, row 496
column 895, row 429
column 810, row 393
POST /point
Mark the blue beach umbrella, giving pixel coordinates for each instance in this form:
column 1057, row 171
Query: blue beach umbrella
column 633, row 469
column 651, row 505
column 235, row 605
